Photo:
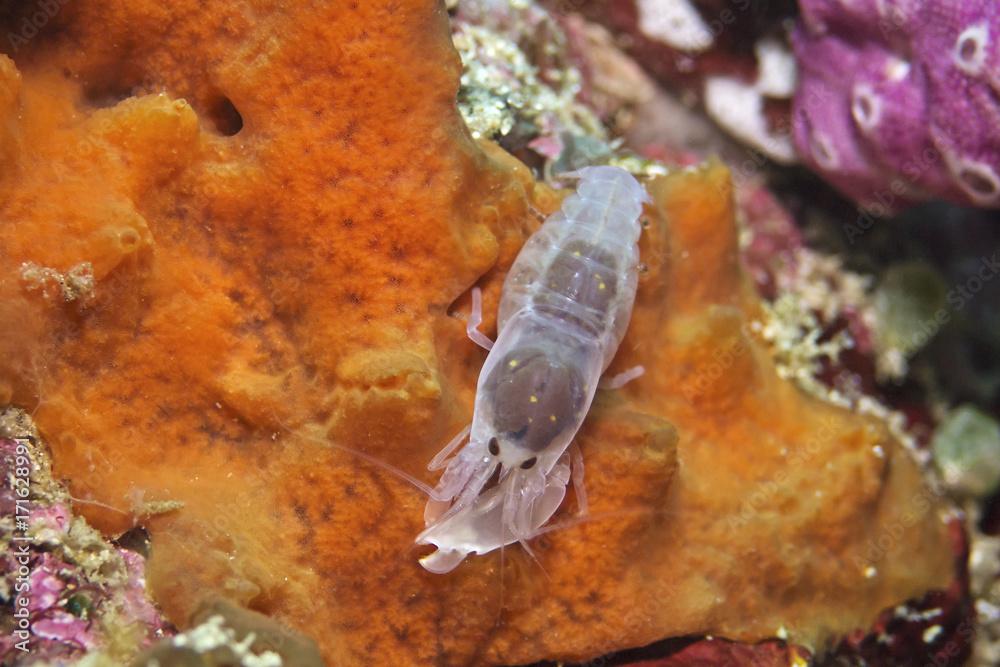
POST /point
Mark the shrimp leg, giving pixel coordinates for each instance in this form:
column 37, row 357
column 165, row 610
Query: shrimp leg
column 622, row 379
column 475, row 319
column 440, row 460
column 576, row 458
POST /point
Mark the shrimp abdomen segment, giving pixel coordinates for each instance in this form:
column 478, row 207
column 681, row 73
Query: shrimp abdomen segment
column 581, row 265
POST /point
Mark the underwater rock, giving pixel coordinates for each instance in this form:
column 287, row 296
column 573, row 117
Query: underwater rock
column 652, row 121
column 277, row 242
column 223, row 634
column 710, row 652
column 722, row 55
column 897, row 102
column 739, row 106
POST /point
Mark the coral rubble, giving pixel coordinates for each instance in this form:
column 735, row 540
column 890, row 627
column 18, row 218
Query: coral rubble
column 725, row 55
column 280, row 207
column 524, row 96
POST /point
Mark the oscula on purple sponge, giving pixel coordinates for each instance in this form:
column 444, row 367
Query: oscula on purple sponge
column 899, row 101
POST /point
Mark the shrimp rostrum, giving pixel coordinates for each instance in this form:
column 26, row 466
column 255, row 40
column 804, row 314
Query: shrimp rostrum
column 565, row 305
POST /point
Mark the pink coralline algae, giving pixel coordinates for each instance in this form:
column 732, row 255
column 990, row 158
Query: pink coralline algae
column 899, row 101
column 64, row 591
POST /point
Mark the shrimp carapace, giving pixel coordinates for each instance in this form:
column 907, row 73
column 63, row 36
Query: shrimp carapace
column 532, row 392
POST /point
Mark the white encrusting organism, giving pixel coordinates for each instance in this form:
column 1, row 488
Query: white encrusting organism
column 738, row 106
column 677, row 23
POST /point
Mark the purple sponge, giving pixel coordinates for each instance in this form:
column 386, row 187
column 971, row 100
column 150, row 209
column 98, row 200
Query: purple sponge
column 898, row 101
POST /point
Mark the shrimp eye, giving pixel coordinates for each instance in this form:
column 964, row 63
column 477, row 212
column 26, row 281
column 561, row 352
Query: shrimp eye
column 494, row 446
column 529, row 463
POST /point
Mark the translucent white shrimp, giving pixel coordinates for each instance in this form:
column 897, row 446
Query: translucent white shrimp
column 564, row 309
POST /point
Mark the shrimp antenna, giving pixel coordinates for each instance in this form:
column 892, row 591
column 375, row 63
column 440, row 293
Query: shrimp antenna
column 502, row 545
column 441, row 459
column 596, row 516
column 97, row 503
column 364, row 456
column 528, row 550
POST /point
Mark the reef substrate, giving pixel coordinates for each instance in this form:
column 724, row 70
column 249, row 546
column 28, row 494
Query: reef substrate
column 233, row 240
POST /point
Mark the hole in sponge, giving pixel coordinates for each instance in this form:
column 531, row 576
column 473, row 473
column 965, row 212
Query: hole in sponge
column 866, row 108
column 970, row 48
column 128, row 239
column 980, row 181
column 225, row 117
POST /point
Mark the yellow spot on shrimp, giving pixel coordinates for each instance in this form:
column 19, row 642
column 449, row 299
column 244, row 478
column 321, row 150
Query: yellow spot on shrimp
column 533, row 399
column 552, row 418
column 513, row 363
